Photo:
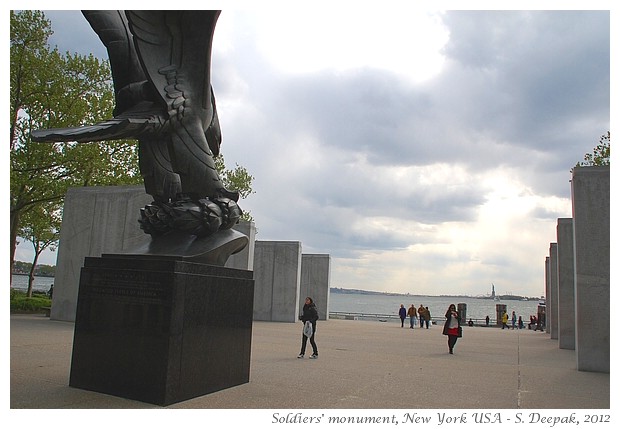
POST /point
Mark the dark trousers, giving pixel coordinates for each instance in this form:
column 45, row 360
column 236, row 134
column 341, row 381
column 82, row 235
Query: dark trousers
column 452, row 341
column 304, row 341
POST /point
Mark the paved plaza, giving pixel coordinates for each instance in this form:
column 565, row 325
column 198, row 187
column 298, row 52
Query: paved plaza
column 361, row 365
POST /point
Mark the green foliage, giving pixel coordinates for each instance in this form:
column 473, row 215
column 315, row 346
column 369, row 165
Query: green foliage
column 238, row 179
column 600, row 155
column 20, row 267
column 21, row 303
column 54, row 90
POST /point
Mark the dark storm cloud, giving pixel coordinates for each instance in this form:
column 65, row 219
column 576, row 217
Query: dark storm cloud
column 367, row 111
column 545, row 76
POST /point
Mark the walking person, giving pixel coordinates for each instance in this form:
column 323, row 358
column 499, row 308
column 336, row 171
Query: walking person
column 427, row 316
column 412, row 316
column 421, row 313
column 452, row 327
column 532, row 321
column 402, row 313
column 513, row 319
column 542, row 320
column 309, row 314
column 504, row 320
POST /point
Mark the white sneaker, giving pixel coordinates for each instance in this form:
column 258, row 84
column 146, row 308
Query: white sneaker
column 301, row 356
column 314, row 357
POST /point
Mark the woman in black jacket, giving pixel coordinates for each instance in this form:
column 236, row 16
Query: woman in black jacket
column 452, row 327
column 310, row 314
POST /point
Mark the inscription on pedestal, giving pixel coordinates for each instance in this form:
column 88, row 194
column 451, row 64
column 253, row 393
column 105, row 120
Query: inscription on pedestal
column 135, row 286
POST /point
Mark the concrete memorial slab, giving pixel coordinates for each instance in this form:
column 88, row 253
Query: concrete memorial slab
column 591, row 223
column 277, row 273
column 552, row 298
column 315, row 281
column 566, row 284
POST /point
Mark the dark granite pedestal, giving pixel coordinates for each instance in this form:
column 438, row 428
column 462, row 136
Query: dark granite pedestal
column 160, row 330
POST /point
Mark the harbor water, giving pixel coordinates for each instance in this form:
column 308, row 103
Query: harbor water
column 41, row 284
column 388, row 305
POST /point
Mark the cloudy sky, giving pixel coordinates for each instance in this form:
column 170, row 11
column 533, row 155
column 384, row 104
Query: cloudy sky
column 426, row 151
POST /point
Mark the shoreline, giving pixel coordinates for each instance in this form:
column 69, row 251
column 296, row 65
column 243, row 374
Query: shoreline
column 508, row 297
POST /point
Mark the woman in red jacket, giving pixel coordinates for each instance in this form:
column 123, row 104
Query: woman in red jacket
column 452, row 327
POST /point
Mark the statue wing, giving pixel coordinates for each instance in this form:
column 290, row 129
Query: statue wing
column 174, row 48
column 128, row 125
column 133, row 112
column 113, row 29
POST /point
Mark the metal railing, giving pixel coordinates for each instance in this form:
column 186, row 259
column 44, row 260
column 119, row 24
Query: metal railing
column 367, row 316
column 387, row 317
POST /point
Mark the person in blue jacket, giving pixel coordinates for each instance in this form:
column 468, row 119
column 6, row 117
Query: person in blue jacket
column 402, row 313
column 309, row 314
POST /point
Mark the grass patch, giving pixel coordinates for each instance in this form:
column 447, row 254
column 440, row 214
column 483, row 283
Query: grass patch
column 20, row 303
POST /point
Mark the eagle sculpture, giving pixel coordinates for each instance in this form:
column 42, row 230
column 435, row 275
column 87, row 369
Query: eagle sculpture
column 161, row 67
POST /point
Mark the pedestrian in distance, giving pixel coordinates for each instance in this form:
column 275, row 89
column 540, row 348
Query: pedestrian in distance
column 513, row 319
column 402, row 313
column 311, row 315
column 542, row 320
column 427, row 316
column 452, row 327
column 412, row 313
column 421, row 315
column 504, row 320
column 532, row 322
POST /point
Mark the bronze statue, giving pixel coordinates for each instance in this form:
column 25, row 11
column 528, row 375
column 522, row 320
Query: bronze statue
column 161, row 67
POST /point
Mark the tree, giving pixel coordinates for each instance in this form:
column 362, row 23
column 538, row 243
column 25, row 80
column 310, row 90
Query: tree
column 49, row 90
column 42, row 233
column 600, row 155
column 238, row 179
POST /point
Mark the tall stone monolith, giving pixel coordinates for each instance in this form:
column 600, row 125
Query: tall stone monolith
column 552, row 299
column 591, row 232
column 566, row 284
column 277, row 274
column 315, row 277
